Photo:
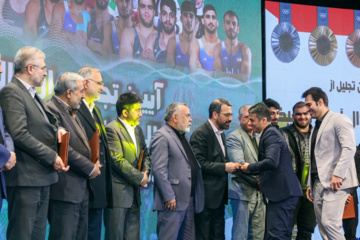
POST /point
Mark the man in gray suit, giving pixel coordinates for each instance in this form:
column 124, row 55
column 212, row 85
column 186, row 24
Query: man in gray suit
column 34, row 130
column 69, row 197
column 332, row 165
column 247, row 201
column 179, row 189
column 126, row 144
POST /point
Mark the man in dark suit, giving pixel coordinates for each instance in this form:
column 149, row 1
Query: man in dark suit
column 126, row 144
column 69, row 197
column 34, row 130
column 179, row 188
column 277, row 178
column 7, row 154
column 91, row 119
column 208, row 143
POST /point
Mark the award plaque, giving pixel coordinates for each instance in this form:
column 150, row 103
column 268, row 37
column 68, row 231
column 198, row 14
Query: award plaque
column 353, row 42
column 285, row 41
column 322, row 42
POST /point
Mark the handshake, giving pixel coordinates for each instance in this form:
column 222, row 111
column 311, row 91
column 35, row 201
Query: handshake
column 231, row 167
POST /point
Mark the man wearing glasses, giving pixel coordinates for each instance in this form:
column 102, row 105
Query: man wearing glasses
column 297, row 138
column 91, row 119
column 209, row 146
column 156, row 43
column 34, row 130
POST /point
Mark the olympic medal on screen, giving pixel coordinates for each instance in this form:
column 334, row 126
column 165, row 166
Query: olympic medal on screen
column 323, row 45
column 353, row 47
column 285, row 42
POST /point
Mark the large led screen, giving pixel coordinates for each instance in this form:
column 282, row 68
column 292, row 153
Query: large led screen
column 150, row 49
column 310, row 46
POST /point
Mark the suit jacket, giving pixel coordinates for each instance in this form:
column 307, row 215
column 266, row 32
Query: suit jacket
column 334, row 151
column 101, row 185
column 35, row 138
column 6, row 146
column 172, row 172
column 241, row 150
column 125, row 176
column 212, row 160
column 72, row 185
column 277, row 178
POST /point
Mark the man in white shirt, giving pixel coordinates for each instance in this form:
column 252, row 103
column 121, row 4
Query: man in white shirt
column 127, row 145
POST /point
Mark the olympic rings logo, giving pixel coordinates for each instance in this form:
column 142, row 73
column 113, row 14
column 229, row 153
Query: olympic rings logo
column 285, row 11
column 358, row 18
column 323, row 15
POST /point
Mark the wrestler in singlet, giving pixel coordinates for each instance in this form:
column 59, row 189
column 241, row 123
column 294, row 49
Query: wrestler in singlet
column 159, row 54
column 231, row 64
column 206, row 61
column 69, row 24
column 42, row 25
column 137, row 48
column 115, row 39
column 11, row 17
column 181, row 59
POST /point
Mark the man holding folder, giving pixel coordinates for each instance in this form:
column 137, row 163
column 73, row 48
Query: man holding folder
column 69, row 197
column 127, row 145
column 91, row 119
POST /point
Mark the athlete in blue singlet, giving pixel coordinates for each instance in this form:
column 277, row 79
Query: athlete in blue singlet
column 160, row 55
column 11, row 17
column 207, row 62
column 93, row 33
column 181, row 59
column 115, row 39
column 42, row 25
column 69, row 24
column 137, row 48
column 231, row 64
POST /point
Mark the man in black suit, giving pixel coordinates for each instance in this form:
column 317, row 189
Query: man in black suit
column 34, row 130
column 209, row 146
column 69, row 197
column 91, row 119
column 277, row 178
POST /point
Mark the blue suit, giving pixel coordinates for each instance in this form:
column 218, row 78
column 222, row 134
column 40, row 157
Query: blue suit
column 278, row 183
column 5, row 148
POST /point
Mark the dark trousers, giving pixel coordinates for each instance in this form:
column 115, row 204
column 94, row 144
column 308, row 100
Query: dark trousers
column 210, row 224
column 279, row 219
column 305, row 218
column 173, row 225
column 68, row 221
column 122, row 223
column 27, row 212
column 94, row 225
column 350, row 224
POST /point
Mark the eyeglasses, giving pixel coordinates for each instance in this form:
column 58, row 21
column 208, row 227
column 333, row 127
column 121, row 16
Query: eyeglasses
column 99, row 83
column 42, row 68
column 227, row 114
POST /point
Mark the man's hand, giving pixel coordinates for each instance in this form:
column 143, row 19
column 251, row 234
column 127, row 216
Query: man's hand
column 60, row 133
column 309, row 196
column 336, row 183
column 259, row 187
column 230, row 167
column 348, row 199
column 59, row 165
column 97, row 170
column 11, row 162
column 170, row 205
column 244, row 167
column 145, row 180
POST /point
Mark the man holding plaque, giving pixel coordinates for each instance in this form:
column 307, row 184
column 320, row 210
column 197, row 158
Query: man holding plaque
column 91, row 119
column 130, row 165
column 69, row 197
column 34, row 130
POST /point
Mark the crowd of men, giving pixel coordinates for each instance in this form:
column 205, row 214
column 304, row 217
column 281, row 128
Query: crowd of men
column 298, row 174
column 136, row 34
